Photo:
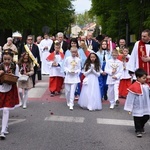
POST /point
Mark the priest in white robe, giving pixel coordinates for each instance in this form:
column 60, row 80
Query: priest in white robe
column 140, row 56
column 45, row 47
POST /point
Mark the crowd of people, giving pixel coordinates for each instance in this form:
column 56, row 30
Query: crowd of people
column 91, row 70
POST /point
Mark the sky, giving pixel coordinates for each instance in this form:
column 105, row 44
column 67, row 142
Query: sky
column 81, row 6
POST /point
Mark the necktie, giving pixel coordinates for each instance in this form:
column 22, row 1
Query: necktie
column 30, row 47
column 90, row 42
column 104, row 56
column 24, row 67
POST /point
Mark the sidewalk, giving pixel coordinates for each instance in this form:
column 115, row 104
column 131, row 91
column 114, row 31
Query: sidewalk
column 41, row 91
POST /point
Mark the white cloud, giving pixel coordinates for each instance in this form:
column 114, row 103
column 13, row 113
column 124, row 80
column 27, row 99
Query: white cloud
column 81, row 6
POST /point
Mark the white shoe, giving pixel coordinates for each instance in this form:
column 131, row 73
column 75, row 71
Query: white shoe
column 20, row 104
column 112, row 106
column 76, row 97
column 6, row 131
column 68, row 104
column 71, row 107
column 90, row 110
column 24, row 106
column 2, row 136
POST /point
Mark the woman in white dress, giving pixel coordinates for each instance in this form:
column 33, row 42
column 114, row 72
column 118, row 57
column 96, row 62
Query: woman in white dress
column 90, row 96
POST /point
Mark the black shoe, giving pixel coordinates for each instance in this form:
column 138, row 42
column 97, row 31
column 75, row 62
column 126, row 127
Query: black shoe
column 117, row 102
column 52, row 94
column 105, row 97
column 139, row 134
column 2, row 136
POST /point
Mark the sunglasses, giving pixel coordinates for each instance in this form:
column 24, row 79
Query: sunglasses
column 29, row 39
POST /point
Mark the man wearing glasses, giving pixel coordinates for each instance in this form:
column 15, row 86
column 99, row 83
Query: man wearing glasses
column 35, row 51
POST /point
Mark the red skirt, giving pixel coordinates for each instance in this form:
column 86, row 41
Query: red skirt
column 9, row 99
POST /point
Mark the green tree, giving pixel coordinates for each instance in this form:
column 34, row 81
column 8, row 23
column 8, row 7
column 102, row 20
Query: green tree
column 84, row 18
column 115, row 15
column 30, row 16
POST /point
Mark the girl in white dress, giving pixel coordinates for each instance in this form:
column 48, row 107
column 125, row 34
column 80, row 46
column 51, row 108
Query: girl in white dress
column 90, row 96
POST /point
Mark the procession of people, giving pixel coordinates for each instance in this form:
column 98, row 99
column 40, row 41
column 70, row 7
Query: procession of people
column 91, row 71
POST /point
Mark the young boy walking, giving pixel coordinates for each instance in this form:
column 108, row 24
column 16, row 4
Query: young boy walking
column 114, row 69
column 138, row 102
column 72, row 68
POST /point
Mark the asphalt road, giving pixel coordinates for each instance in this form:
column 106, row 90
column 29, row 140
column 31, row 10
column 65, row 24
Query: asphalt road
column 48, row 124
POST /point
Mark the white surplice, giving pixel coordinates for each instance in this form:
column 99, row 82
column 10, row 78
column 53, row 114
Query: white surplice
column 138, row 104
column 125, row 73
column 56, row 71
column 133, row 63
column 44, row 54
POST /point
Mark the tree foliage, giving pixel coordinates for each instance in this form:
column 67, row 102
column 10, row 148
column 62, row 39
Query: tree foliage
column 34, row 14
column 116, row 14
column 83, row 18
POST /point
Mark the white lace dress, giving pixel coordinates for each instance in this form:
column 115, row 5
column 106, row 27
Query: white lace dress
column 90, row 96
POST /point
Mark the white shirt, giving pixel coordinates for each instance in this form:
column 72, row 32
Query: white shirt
column 125, row 73
column 110, row 64
column 139, row 105
column 7, row 87
column 72, row 64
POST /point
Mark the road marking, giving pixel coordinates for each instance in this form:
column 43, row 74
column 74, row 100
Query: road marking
column 42, row 84
column 37, row 92
column 65, row 119
column 115, row 122
column 15, row 121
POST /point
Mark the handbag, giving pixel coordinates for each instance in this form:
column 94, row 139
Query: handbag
column 23, row 78
column 9, row 79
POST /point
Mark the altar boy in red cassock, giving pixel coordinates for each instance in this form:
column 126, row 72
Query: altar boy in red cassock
column 56, row 73
column 125, row 81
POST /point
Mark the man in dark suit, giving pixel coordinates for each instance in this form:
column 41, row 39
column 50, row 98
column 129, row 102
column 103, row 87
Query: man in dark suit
column 60, row 39
column 35, row 51
column 91, row 43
